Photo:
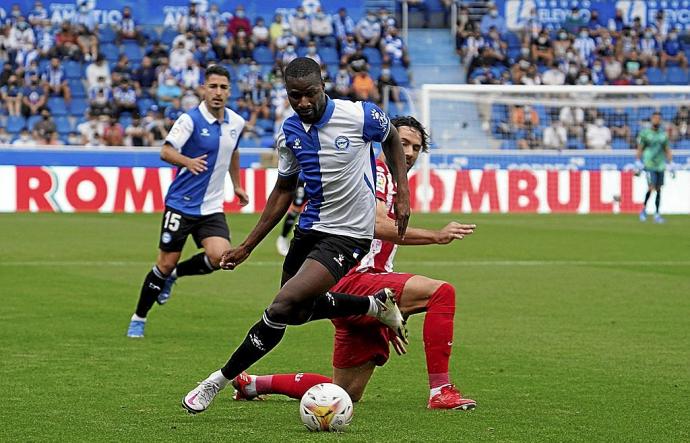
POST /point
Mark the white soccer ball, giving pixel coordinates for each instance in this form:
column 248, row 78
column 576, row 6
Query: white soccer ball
column 326, row 407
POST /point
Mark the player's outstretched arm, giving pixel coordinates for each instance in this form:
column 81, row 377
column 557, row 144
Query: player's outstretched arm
column 194, row 165
column 386, row 230
column 393, row 150
column 276, row 206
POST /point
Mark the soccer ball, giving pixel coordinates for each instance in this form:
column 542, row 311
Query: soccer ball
column 326, row 407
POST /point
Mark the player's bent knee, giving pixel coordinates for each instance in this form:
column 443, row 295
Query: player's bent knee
column 288, row 312
column 444, row 295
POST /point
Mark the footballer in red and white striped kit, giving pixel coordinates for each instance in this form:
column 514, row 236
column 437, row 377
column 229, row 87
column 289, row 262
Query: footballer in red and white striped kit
column 362, row 343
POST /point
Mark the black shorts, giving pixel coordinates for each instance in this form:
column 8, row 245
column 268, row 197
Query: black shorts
column 176, row 226
column 337, row 253
column 655, row 178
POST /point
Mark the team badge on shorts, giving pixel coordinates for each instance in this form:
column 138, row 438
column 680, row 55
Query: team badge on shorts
column 166, row 237
column 342, row 142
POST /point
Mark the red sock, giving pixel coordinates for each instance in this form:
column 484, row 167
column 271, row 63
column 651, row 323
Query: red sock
column 438, row 334
column 292, row 385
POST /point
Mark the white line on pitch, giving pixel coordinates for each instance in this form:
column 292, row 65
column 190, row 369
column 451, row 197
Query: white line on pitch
column 48, row 263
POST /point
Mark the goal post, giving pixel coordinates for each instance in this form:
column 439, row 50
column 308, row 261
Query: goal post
column 529, row 142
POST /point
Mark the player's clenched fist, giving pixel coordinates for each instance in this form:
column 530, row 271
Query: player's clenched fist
column 233, row 257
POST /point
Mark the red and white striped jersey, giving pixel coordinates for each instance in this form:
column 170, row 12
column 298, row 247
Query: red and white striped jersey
column 381, row 255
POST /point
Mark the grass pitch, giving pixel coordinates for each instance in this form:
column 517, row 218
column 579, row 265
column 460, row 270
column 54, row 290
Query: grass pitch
column 569, row 328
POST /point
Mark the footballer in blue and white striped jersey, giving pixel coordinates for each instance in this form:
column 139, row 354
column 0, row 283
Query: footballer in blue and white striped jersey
column 198, row 133
column 336, row 158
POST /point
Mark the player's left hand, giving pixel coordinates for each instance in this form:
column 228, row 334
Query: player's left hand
column 397, row 343
column 402, row 212
column 233, row 258
column 454, row 231
column 241, row 195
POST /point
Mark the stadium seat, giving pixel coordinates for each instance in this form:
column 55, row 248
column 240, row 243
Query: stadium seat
column 677, row 76
column 133, row 51
column 144, row 104
column 125, row 120
column 645, row 112
column 265, row 124
column 668, row 112
column 107, row 34
column 683, row 144
column 77, row 87
column 574, row 143
column 63, row 125
column 509, row 144
column 655, row 76
column 78, row 106
column 400, row 75
column 329, row 55
column 32, row 120
column 73, row 69
column 168, row 35
column 57, row 106
column 619, row 143
column 263, row 55
column 513, row 41
column 373, row 55
column 110, row 52
column 15, row 123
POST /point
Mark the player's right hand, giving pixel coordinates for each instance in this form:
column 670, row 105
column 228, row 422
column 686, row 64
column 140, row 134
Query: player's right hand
column 233, row 258
column 454, row 231
column 197, row 165
column 397, row 343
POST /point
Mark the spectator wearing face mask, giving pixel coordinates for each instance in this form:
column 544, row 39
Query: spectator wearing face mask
column 470, row 51
column 493, row 20
column 542, row 49
column 393, row 48
column 313, row 52
column 617, row 23
column 286, row 56
column 613, row 68
column 626, row 43
column 368, row 30
column 127, row 28
column 584, row 46
column 321, row 28
column 299, row 25
column 574, row 21
column 553, row 76
column 284, row 40
column 25, row 138
column 343, row 25
column 648, row 48
column 12, row 94
column 239, row 21
column 34, row 98
column 167, row 91
column 597, row 73
column 634, row 67
column 463, row 29
column 595, row 24
column 260, row 33
column 45, row 128
column 598, row 136
column 561, row 45
column 660, row 25
column 343, row 82
column 532, row 27
column 96, row 70
column 673, row 51
column 179, row 57
column 555, row 136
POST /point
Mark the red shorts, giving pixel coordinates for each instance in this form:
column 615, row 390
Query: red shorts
column 359, row 338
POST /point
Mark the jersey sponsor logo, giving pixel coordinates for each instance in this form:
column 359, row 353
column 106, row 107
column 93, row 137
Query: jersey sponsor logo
column 166, row 237
column 204, row 132
column 297, row 144
column 380, row 117
column 380, row 182
column 342, row 142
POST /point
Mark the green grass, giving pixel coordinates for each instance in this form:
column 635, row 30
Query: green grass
column 569, row 328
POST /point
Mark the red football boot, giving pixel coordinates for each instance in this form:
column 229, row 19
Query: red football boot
column 240, row 383
column 450, row 398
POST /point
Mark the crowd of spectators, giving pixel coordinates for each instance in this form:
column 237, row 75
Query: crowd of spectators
column 583, row 50
column 126, row 84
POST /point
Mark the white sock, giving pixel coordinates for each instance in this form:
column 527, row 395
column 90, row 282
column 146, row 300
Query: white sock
column 219, row 379
column 250, row 389
column 374, row 308
column 137, row 318
column 436, row 390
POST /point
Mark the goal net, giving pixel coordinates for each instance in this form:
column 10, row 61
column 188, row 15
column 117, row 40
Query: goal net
column 547, row 149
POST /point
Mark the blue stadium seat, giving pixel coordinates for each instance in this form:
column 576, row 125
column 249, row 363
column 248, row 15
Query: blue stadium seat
column 263, row 55
column 645, row 112
column 656, row 76
column 329, row 55
column 63, row 125
column 509, row 144
column 78, row 106
column 106, row 34
column 513, row 41
column 15, row 123
column 144, row 104
column 73, row 69
column 677, row 76
column 265, row 124
column 619, row 143
column 168, row 35
column 133, row 51
column 574, row 143
column 668, row 112
column 125, row 119
column 373, row 55
column 400, row 75
column 683, row 144
column 57, row 106
column 77, row 87
column 32, row 120
column 110, row 52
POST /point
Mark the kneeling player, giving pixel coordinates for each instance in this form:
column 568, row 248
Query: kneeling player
column 362, row 344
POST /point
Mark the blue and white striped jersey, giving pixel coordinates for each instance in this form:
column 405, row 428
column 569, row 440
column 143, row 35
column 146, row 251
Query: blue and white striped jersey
column 337, row 162
column 194, row 134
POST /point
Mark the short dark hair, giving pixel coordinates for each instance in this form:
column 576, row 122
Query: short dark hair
column 409, row 121
column 302, row 67
column 216, row 70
